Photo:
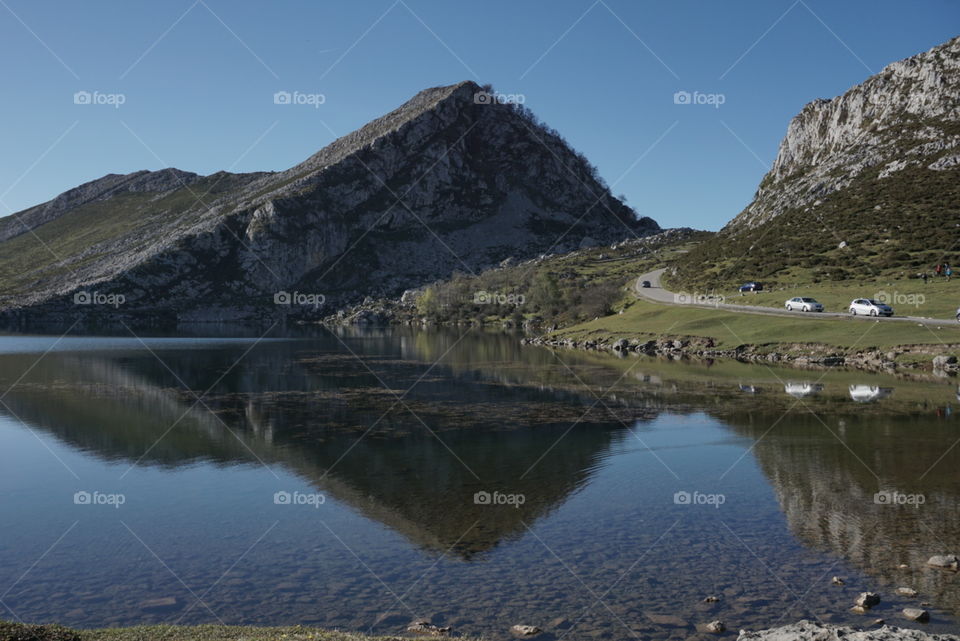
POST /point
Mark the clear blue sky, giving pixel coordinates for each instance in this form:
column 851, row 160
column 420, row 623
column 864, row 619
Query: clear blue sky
column 198, row 80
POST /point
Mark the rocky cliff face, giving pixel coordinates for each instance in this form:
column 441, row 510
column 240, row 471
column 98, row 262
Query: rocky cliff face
column 857, row 186
column 446, row 182
column 905, row 116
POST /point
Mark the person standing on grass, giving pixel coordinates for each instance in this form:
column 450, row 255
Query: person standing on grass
column 923, row 275
column 948, row 272
column 937, row 269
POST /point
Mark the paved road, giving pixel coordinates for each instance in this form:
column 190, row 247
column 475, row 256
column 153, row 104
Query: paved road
column 658, row 294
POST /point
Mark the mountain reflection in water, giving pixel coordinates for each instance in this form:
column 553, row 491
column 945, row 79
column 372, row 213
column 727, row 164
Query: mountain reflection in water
column 405, row 428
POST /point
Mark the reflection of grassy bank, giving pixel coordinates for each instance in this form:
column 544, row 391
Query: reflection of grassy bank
column 22, row 632
column 645, row 320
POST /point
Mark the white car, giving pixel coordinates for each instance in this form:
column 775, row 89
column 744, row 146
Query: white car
column 803, row 304
column 870, row 307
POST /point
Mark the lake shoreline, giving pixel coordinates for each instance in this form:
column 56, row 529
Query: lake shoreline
column 914, row 361
column 800, row 631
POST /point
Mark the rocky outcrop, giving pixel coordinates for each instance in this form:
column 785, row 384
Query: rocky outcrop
column 444, row 183
column 811, row 631
column 905, row 116
column 857, row 186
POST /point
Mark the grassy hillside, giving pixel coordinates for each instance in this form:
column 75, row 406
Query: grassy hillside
column 893, row 228
column 908, row 296
column 555, row 291
column 644, row 320
column 70, row 241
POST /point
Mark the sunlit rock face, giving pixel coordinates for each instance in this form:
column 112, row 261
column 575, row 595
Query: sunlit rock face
column 905, row 116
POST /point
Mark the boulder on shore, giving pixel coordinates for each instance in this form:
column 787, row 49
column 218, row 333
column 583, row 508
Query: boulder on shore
column 813, row 631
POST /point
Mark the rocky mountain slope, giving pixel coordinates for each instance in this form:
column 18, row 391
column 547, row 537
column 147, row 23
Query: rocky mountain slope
column 876, row 170
column 447, row 182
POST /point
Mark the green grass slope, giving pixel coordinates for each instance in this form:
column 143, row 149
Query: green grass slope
column 893, row 228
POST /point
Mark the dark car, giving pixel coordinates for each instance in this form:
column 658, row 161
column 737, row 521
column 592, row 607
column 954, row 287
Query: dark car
column 645, row 284
column 751, row 287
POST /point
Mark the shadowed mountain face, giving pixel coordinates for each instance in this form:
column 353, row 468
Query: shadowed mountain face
column 449, row 181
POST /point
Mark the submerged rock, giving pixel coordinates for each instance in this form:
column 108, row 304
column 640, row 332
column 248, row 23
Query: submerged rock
column 525, row 630
column 916, row 614
column 162, row 604
column 867, row 600
column 715, row 627
column 944, row 561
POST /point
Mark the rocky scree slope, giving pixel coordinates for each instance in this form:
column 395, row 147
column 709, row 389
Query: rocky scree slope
column 876, row 170
column 441, row 184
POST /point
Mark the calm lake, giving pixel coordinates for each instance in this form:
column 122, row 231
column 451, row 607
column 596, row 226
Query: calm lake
column 362, row 479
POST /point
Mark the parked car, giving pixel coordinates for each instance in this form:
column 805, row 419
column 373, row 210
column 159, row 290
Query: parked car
column 870, row 307
column 751, row 287
column 645, row 284
column 804, row 304
column 958, row 314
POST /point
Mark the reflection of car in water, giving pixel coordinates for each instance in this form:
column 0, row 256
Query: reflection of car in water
column 802, row 390
column 869, row 393
column 750, row 389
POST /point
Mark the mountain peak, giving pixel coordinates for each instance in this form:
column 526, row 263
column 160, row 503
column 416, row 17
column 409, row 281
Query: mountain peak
column 446, row 182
